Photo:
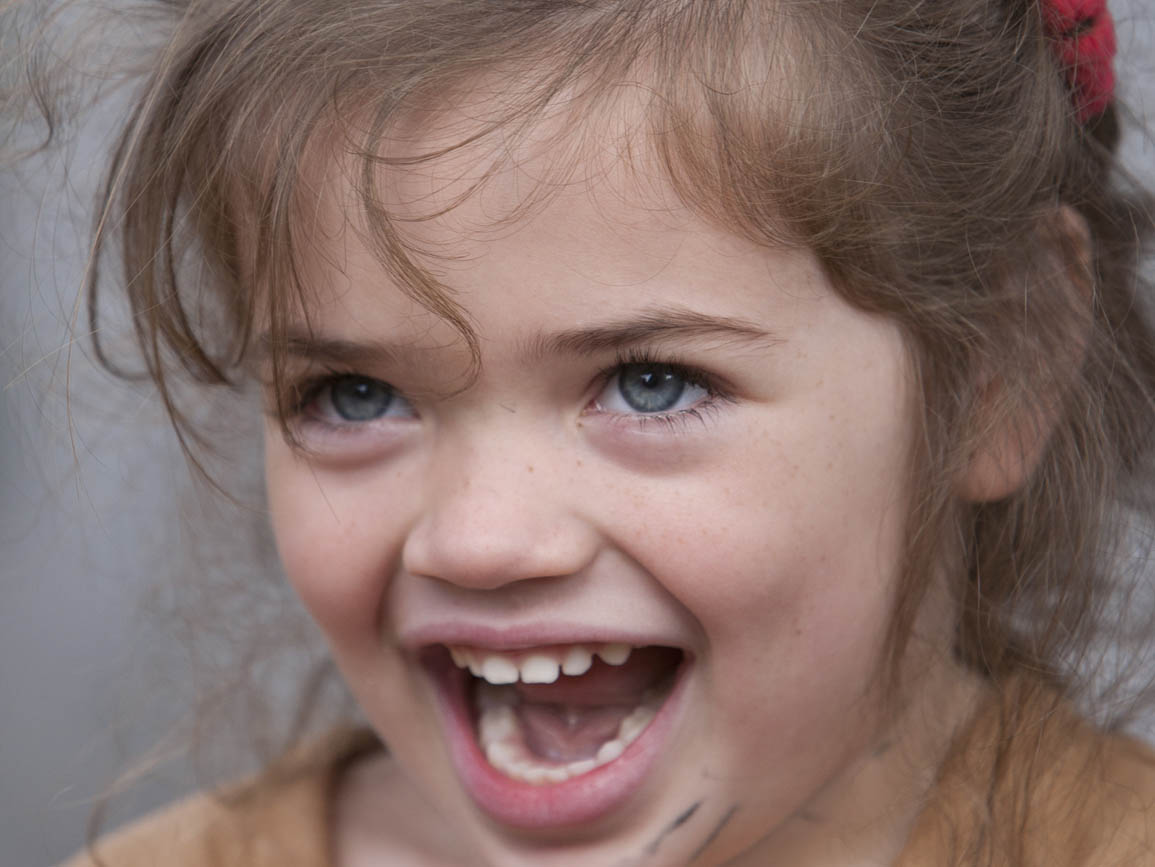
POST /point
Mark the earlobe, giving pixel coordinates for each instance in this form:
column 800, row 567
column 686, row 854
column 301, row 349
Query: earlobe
column 1004, row 461
column 1012, row 435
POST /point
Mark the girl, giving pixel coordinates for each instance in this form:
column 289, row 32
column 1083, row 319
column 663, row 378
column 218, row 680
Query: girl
column 702, row 429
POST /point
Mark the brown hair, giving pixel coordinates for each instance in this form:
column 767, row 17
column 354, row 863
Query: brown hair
column 922, row 150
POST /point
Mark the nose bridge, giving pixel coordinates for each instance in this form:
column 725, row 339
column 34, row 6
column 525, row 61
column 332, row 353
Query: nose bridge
column 496, row 510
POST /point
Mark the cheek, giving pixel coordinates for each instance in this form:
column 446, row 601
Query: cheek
column 786, row 548
column 770, row 528
column 786, row 558
column 336, row 542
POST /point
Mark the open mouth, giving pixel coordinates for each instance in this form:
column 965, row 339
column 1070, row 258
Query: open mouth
column 556, row 734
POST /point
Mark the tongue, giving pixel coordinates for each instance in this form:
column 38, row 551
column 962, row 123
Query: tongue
column 563, row 734
column 570, row 719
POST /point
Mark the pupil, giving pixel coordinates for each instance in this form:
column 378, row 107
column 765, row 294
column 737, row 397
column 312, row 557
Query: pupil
column 650, row 387
column 357, row 399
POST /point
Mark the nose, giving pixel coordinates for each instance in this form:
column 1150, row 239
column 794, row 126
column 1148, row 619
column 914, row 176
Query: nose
column 496, row 513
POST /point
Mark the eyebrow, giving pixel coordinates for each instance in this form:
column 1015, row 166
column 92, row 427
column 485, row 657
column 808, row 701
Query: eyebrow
column 650, row 326
column 324, row 350
column 663, row 323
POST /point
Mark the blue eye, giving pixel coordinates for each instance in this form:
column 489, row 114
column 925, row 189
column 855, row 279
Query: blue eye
column 651, row 389
column 361, row 399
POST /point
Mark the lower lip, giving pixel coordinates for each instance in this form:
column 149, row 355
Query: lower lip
column 558, row 805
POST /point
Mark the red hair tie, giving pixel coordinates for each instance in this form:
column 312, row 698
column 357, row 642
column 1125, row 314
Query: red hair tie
column 1084, row 38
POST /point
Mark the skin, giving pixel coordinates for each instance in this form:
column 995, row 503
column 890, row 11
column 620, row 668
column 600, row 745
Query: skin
column 763, row 537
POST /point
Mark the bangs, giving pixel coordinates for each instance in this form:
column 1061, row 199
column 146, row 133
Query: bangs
column 238, row 149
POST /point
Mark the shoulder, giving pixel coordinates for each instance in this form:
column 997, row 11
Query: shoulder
column 1031, row 783
column 279, row 819
column 1126, row 795
column 1092, row 792
column 194, row 832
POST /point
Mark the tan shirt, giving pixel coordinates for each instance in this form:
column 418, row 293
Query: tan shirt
column 1091, row 803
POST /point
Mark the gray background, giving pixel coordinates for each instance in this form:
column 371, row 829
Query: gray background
column 99, row 520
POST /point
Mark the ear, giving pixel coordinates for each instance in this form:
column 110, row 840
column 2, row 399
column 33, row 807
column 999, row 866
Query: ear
column 1011, row 443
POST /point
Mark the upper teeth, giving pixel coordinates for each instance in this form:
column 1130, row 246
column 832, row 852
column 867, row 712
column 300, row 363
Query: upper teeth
column 537, row 666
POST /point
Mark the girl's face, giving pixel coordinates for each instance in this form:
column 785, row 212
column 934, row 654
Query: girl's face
column 677, row 444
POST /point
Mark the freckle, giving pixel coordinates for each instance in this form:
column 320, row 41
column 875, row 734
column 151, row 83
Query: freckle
column 882, row 749
column 530, row 468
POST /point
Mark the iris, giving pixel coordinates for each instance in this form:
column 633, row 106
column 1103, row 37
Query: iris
column 650, row 388
column 357, row 398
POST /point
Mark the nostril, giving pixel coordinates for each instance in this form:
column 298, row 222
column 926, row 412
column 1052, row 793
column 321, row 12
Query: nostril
column 498, row 545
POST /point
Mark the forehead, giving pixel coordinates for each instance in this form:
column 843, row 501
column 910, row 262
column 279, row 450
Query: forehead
column 572, row 211
column 529, row 244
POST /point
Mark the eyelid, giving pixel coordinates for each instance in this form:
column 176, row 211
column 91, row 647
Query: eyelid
column 718, row 391
column 300, row 390
column 303, row 392
column 303, row 388
column 695, row 372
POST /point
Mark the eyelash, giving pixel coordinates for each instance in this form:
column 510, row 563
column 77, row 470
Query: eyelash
column 678, row 421
column 306, row 391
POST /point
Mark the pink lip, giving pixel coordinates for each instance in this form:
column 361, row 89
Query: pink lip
column 544, row 807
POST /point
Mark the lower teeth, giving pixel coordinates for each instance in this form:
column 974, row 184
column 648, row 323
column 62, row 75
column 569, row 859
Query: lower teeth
column 500, row 737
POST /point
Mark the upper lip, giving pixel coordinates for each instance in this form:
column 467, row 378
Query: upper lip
column 524, row 637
